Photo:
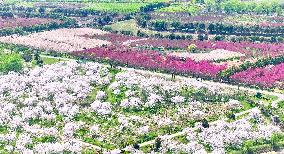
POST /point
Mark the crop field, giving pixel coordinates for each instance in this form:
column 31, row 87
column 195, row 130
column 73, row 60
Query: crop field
column 142, row 76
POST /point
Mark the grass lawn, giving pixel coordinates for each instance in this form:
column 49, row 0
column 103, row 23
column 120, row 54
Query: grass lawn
column 129, row 25
column 48, row 61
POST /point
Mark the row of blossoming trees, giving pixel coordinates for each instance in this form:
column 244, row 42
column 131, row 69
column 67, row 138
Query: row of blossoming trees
column 153, row 60
column 141, row 54
column 156, row 60
column 265, row 29
column 66, row 103
column 257, row 56
column 66, row 107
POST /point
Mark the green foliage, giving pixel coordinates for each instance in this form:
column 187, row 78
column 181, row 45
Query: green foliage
column 148, row 137
column 45, row 139
column 42, row 122
column 98, row 143
column 181, row 7
column 242, row 30
column 192, row 48
column 182, row 139
column 27, row 56
column 259, row 7
column 160, row 25
column 205, row 123
column 255, row 146
column 90, row 151
column 208, row 148
column 3, row 129
column 153, row 6
column 10, row 62
column 281, row 104
column 38, row 59
column 116, row 7
column 81, row 132
column 158, row 144
column 50, row 60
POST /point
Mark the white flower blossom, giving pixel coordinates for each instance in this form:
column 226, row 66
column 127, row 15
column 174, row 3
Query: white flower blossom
column 102, row 108
column 178, row 99
column 100, row 95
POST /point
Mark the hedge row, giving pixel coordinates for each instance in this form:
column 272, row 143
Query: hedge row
column 211, row 28
column 38, row 28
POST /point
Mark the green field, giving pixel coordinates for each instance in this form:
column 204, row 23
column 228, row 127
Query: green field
column 116, row 7
column 181, row 7
column 122, row 6
column 48, row 61
column 129, row 25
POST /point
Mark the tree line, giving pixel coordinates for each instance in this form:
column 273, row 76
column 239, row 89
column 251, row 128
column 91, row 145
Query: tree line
column 212, row 28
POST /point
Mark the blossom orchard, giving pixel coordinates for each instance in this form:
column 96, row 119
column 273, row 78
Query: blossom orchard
column 56, row 107
column 269, row 76
column 152, row 60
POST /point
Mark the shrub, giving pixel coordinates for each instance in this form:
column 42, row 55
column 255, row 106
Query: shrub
column 136, row 146
column 231, row 116
column 192, row 48
column 10, row 62
column 158, row 144
column 205, row 123
column 28, row 57
column 130, row 33
column 219, row 38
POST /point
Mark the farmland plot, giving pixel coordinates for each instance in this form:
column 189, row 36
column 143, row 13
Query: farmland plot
column 64, row 40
